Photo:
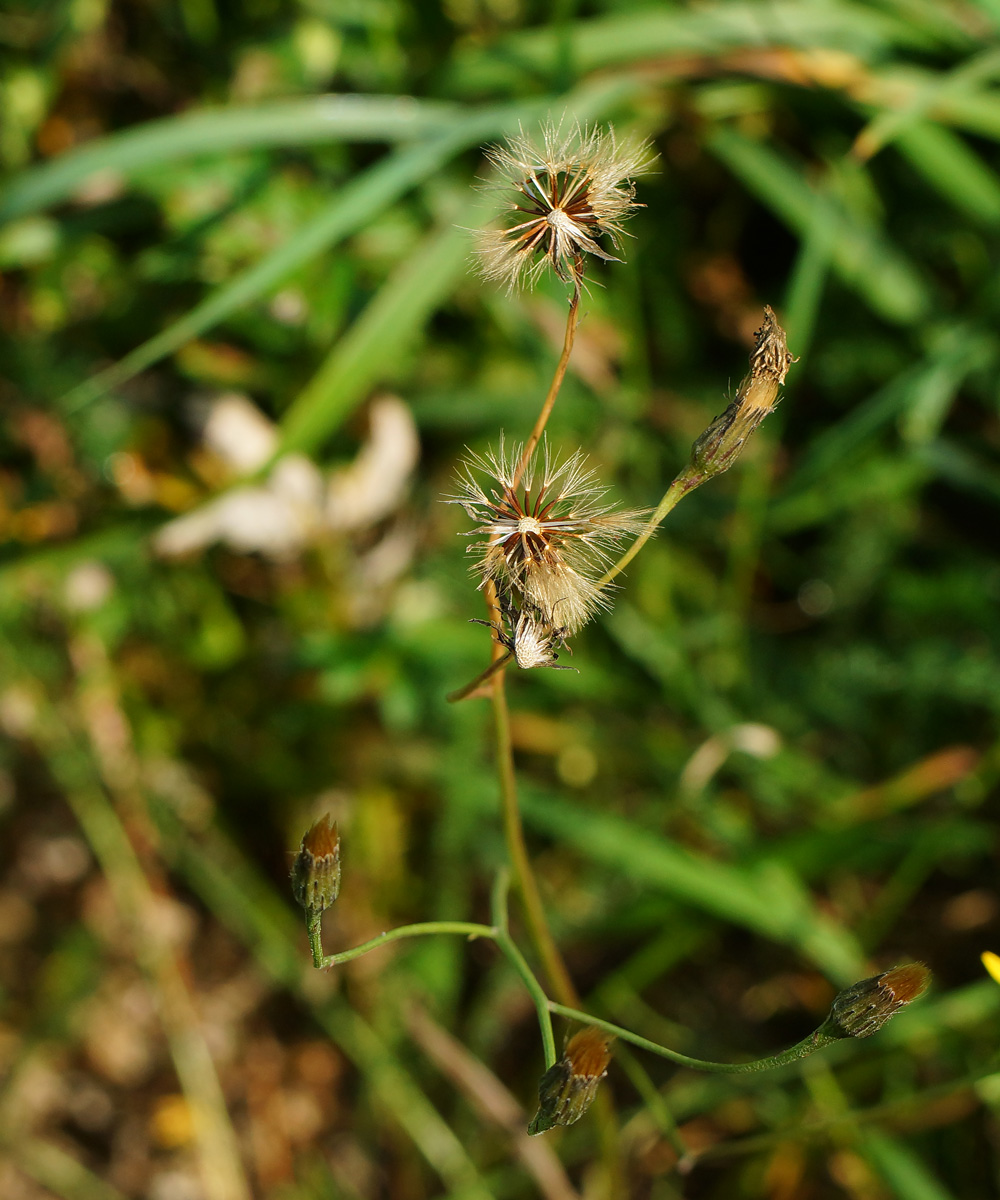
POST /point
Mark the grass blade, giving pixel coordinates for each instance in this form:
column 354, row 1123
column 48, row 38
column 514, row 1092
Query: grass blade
column 768, row 899
column 283, row 123
column 360, row 200
column 950, row 166
column 895, row 290
column 393, row 318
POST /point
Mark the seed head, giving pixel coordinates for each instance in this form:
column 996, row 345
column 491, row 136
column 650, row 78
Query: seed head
column 316, row 869
column 863, row 1008
column 568, row 1088
column 547, row 539
column 572, row 188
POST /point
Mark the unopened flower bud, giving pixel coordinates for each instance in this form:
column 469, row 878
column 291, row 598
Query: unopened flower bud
column 863, row 1008
column 722, row 442
column 316, row 869
column 567, row 1088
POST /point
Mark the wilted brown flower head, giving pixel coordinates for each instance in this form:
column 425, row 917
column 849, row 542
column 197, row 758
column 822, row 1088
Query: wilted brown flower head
column 863, row 1008
column 547, row 539
column 316, row 869
column 572, row 188
column 722, row 442
column 568, row 1088
column 530, row 641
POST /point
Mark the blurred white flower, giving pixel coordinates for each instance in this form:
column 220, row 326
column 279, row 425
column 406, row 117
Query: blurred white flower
column 297, row 505
column 238, row 432
column 375, row 483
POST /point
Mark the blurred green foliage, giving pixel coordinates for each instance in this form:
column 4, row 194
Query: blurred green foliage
column 776, row 763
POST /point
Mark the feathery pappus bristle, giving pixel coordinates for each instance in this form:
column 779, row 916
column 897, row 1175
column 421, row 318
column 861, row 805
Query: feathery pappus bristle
column 573, row 187
column 545, row 532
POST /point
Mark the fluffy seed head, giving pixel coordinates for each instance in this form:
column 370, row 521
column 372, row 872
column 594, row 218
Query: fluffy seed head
column 571, row 188
column 546, row 535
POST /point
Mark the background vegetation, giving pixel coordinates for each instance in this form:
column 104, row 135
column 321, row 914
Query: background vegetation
column 775, row 771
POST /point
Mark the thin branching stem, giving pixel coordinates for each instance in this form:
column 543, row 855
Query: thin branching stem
column 422, row 929
column 523, row 877
column 485, row 676
column 506, row 943
column 684, row 483
column 572, row 319
column 815, row 1041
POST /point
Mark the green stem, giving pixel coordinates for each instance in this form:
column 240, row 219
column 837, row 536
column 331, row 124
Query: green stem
column 506, row 943
column 498, row 933
column 815, row 1041
column 684, row 483
column 524, row 878
column 547, row 405
column 314, row 920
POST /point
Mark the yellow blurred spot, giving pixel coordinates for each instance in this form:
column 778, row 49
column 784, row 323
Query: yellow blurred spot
column 173, row 1122
column 576, row 764
column 991, row 962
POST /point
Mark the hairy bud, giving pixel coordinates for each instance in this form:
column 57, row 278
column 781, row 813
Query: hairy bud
column 568, row 1088
column 863, row 1008
column 316, row 869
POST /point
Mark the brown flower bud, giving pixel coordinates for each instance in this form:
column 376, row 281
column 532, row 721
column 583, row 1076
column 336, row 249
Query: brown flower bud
column 863, row 1008
column 722, row 442
column 567, row 1088
column 316, row 869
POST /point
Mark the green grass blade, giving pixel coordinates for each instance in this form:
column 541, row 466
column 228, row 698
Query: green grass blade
column 283, row 123
column 360, row 200
column 768, row 899
column 953, row 169
column 903, row 1170
column 805, row 288
column 861, row 255
column 58, row 1172
column 392, row 319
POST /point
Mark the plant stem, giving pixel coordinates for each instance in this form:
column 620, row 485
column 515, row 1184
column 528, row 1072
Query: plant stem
column 507, row 945
column 815, row 1041
column 483, row 677
column 498, row 933
column 314, row 921
column 572, row 319
column 684, row 483
column 517, row 852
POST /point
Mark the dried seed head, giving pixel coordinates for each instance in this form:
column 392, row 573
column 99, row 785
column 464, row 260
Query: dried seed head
column 571, row 189
column 316, row 869
column 722, row 442
column 548, row 538
column 863, row 1008
column 568, row 1088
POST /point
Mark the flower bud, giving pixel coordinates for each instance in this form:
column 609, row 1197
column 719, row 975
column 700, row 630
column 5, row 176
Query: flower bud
column 316, row 869
column 567, row 1088
column 863, row 1008
column 722, row 442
